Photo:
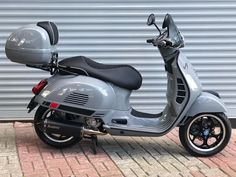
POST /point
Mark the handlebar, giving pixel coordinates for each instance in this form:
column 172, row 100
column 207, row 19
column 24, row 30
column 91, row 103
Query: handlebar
column 150, row 40
column 160, row 42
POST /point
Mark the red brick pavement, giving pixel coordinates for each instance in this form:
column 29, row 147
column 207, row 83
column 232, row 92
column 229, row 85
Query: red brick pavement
column 39, row 160
column 225, row 160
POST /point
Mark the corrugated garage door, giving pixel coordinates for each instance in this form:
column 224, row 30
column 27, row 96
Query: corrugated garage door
column 112, row 31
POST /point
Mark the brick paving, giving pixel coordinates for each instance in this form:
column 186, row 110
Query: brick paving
column 117, row 156
column 9, row 162
column 38, row 159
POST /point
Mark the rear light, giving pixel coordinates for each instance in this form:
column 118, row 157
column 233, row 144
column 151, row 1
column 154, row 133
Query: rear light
column 54, row 105
column 36, row 90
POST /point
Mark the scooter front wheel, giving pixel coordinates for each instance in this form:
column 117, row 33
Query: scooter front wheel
column 205, row 134
column 55, row 140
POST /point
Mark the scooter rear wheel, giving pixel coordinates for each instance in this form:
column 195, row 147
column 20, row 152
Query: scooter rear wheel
column 55, row 140
column 205, row 134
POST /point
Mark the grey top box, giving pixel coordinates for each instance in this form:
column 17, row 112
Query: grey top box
column 32, row 44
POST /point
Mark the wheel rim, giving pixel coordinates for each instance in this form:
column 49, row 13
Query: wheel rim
column 206, row 132
column 58, row 138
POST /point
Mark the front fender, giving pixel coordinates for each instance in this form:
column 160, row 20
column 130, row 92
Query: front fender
column 206, row 103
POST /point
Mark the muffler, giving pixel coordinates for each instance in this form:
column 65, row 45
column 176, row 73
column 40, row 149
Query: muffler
column 67, row 128
column 92, row 132
column 63, row 127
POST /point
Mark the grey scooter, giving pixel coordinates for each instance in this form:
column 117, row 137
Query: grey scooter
column 84, row 98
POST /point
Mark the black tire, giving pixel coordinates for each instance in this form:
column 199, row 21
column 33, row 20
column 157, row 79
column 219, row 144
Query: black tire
column 51, row 139
column 205, row 152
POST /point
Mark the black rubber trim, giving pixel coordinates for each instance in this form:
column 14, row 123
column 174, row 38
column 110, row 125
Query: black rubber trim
column 136, row 113
column 212, row 92
column 119, row 121
column 76, row 110
column 86, row 112
column 45, row 103
column 124, row 132
column 168, row 66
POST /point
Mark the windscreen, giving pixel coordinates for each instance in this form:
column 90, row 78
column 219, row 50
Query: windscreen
column 173, row 32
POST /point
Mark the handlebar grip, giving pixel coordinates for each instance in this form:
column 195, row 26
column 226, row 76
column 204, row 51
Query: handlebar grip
column 168, row 42
column 149, row 40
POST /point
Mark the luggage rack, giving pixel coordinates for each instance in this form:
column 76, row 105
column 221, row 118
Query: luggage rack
column 54, row 67
column 51, row 67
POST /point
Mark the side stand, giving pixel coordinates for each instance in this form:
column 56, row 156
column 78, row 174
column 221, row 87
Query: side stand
column 94, row 144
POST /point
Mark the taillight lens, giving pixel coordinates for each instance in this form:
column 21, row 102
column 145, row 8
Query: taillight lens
column 36, row 90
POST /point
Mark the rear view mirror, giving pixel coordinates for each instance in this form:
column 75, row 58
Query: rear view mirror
column 151, row 19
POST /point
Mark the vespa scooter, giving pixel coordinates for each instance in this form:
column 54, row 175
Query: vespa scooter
column 84, row 98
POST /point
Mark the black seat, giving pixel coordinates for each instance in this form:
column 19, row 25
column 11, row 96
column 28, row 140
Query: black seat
column 124, row 76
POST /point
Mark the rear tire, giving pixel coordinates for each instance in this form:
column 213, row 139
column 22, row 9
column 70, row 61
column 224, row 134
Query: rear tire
column 203, row 128
column 57, row 141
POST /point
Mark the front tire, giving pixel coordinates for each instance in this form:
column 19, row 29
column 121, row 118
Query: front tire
column 55, row 140
column 206, row 134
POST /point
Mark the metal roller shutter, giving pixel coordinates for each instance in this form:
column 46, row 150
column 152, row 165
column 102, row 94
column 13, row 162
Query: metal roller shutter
column 112, row 31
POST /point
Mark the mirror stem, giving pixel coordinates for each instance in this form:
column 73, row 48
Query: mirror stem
column 157, row 27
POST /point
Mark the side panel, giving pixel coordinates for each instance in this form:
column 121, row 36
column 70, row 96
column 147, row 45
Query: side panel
column 183, row 70
column 78, row 91
column 122, row 98
column 206, row 103
column 183, row 89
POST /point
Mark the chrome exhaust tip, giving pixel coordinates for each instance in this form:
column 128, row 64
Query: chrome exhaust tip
column 86, row 131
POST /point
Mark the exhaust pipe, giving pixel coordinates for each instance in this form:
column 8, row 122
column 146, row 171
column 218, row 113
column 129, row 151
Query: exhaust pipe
column 68, row 129
column 92, row 132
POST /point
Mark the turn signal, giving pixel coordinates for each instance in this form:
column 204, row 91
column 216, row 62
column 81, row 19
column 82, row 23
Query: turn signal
column 39, row 87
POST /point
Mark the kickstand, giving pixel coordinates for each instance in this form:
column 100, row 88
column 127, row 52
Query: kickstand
column 94, row 144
